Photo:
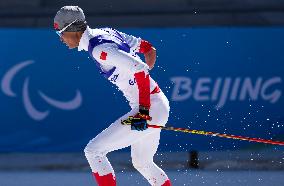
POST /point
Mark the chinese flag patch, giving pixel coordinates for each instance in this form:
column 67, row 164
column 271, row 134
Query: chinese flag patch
column 103, row 56
column 56, row 26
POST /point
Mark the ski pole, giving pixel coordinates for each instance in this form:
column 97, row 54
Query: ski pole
column 200, row 132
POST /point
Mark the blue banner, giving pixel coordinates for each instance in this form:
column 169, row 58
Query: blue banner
column 226, row 80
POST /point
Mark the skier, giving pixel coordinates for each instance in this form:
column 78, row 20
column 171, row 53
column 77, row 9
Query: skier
column 115, row 54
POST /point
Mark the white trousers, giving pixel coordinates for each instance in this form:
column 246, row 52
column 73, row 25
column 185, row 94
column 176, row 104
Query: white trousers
column 143, row 144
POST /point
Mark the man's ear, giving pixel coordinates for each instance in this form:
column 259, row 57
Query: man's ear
column 79, row 35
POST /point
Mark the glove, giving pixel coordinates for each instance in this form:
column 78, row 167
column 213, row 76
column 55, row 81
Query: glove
column 139, row 121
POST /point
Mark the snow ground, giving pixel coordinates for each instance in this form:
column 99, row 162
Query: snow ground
column 179, row 178
column 233, row 168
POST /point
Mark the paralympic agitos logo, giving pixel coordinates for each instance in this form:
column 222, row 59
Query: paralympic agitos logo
column 27, row 102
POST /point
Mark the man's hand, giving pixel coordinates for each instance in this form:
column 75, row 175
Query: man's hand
column 150, row 57
column 139, row 121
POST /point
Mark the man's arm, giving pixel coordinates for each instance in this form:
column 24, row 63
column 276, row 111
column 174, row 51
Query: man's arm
column 142, row 46
column 110, row 54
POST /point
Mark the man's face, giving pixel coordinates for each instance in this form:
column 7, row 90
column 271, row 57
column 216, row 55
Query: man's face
column 70, row 39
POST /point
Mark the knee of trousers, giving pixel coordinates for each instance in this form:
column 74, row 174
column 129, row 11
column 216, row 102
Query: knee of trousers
column 142, row 164
column 93, row 150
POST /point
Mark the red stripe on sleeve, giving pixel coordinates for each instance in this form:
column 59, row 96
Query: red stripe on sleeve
column 144, row 47
column 143, row 83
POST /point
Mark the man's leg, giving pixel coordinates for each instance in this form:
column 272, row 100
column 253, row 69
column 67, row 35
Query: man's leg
column 142, row 153
column 116, row 136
